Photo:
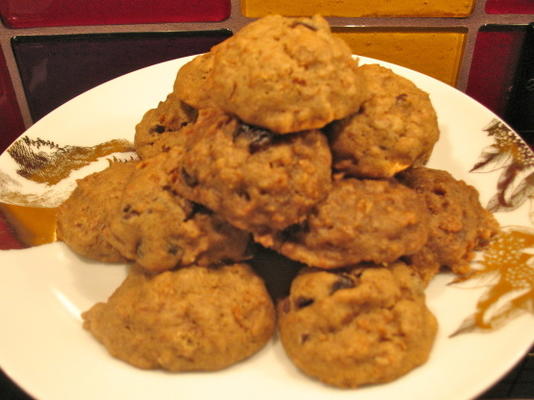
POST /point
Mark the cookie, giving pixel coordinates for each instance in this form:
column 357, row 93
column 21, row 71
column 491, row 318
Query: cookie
column 366, row 325
column 285, row 75
column 160, row 230
column 458, row 223
column 360, row 220
column 191, row 84
column 159, row 129
column 83, row 217
column 256, row 180
column 190, row 319
column 396, row 128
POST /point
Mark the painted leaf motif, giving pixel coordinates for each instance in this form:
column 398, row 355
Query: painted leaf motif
column 515, row 160
column 491, row 159
column 509, row 256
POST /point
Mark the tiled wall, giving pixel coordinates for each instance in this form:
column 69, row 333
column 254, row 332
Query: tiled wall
column 53, row 50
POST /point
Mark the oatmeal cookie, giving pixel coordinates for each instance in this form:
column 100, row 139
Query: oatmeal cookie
column 161, row 230
column 191, row 319
column 256, row 180
column 366, row 325
column 160, row 127
column 83, row 217
column 396, row 128
column 458, row 223
column 360, row 220
column 286, row 75
column 191, row 84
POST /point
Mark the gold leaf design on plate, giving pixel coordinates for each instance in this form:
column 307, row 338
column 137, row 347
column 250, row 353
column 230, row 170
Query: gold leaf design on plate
column 43, row 161
column 510, row 259
column 510, row 154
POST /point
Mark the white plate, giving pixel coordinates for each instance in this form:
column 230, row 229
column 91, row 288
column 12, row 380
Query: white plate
column 44, row 289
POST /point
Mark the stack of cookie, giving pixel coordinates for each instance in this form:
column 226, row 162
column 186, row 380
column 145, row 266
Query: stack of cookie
column 278, row 139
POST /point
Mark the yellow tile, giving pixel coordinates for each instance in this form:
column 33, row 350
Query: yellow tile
column 437, row 53
column 358, row 8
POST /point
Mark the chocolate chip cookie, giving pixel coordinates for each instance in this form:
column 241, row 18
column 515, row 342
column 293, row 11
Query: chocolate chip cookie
column 360, row 220
column 159, row 129
column 395, row 128
column 160, row 230
column 258, row 181
column 365, row 325
column 458, row 223
column 286, row 75
column 191, row 319
column 83, row 217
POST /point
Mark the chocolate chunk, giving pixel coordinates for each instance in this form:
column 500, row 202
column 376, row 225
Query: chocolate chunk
column 302, row 302
column 259, row 138
column 343, row 282
column 189, row 179
column 157, row 129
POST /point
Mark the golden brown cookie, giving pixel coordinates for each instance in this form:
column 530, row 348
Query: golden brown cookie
column 191, row 84
column 256, row 180
column 83, row 217
column 396, row 128
column 366, row 325
column 160, row 127
column 160, row 230
column 360, row 220
column 285, row 75
column 458, row 223
column 191, row 319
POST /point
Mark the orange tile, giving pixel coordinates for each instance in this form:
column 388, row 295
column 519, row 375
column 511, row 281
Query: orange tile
column 361, row 8
column 437, row 53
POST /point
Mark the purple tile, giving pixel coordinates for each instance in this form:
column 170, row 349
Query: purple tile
column 55, row 69
column 37, row 13
column 495, row 60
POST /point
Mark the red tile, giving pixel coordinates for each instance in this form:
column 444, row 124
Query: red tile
column 11, row 124
column 45, row 62
column 495, row 59
column 510, row 6
column 40, row 13
column 8, row 238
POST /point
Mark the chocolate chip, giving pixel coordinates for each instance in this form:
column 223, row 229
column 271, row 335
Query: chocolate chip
column 302, row 302
column 343, row 282
column 259, row 138
column 401, row 98
column 291, row 231
column 170, row 190
column 189, row 179
column 304, row 338
column 157, row 129
column 129, row 212
column 197, row 209
column 174, row 249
